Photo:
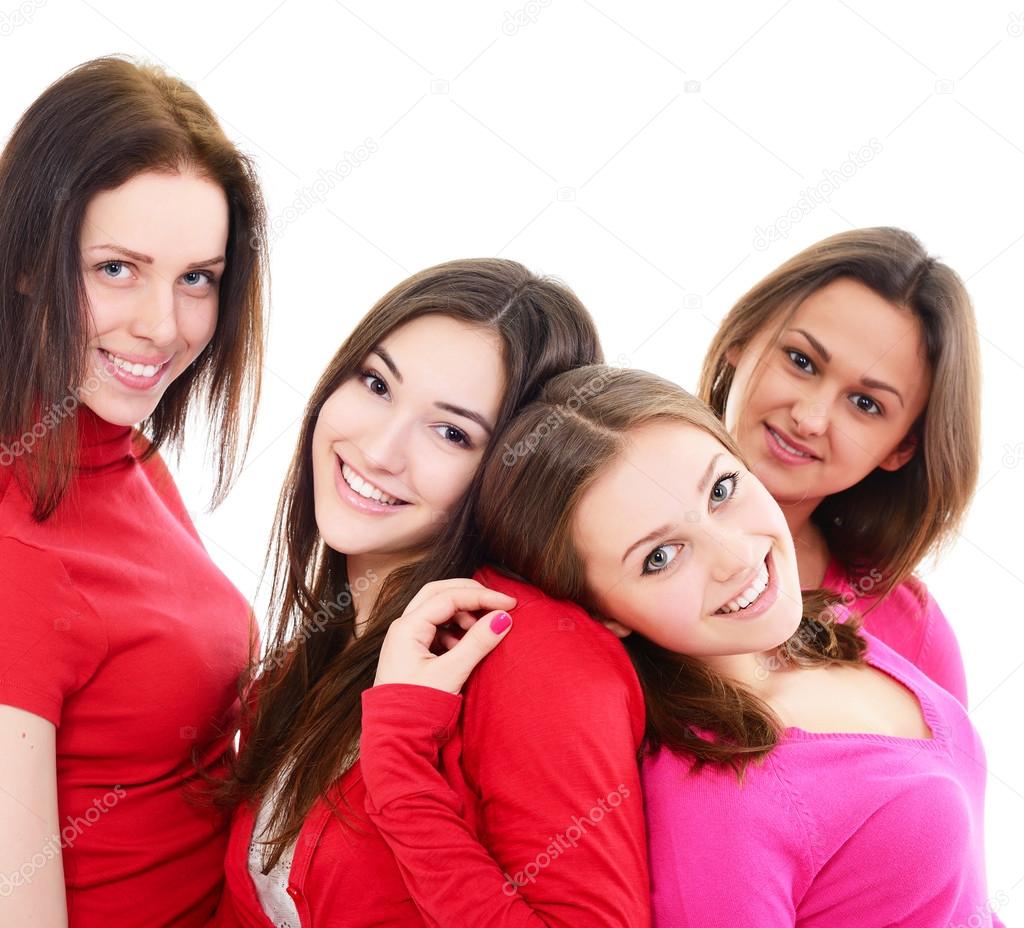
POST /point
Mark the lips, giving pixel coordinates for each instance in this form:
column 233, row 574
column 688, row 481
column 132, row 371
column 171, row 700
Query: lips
column 790, row 445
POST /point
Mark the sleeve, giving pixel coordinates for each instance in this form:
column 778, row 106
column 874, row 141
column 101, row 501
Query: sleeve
column 722, row 853
column 53, row 641
column 940, row 655
column 550, row 731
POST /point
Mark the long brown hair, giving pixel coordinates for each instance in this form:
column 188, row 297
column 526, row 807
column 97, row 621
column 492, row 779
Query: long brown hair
column 891, row 519
column 307, row 716
column 559, row 446
column 98, row 126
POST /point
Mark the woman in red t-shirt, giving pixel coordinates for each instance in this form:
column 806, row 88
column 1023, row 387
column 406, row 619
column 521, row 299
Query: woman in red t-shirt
column 376, row 504
column 131, row 285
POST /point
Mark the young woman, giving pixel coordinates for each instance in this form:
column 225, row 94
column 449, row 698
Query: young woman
column 797, row 772
column 131, row 289
column 849, row 377
column 373, row 518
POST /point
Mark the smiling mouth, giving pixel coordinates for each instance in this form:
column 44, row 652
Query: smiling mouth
column 359, row 484
column 747, row 597
column 134, row 368
column 787, row 447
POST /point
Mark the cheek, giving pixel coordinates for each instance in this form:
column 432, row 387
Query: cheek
column 442, row 479
column 199, row 322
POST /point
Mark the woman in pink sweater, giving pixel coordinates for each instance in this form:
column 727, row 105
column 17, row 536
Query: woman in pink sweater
column 797, row 770
column 842, row 376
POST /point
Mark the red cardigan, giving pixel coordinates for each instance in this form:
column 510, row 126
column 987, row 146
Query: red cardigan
column 536, row 818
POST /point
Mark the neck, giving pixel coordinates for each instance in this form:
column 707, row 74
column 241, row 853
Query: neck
column 811, row 549
column 758, row 672
column 366, row 576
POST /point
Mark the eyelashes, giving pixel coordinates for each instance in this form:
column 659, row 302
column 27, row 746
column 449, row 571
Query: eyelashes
column 656, row 562
column 452, row 434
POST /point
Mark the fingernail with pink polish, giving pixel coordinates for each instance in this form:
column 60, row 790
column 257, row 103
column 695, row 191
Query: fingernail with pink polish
column 500, row 622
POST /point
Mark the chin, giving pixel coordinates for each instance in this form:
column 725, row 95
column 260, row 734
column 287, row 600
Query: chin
column 120, row 412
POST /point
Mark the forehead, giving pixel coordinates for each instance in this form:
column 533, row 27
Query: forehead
column 448, row 359
column 191, row 215
column 652, row 482
column 865, row 333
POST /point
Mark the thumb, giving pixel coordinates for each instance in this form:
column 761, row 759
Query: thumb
column 484, row 636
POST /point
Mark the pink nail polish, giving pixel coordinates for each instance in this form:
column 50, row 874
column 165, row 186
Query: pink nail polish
column 500, row 622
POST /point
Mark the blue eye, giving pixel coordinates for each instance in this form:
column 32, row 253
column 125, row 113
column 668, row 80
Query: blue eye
column 724, row 489
column 117, row 267
column 199, row 277
column 866, row 404
column 660, row 558
column 800, row 360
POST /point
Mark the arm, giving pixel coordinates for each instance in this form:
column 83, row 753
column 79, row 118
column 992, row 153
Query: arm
column 555, row 693
column 940, row 654
column 53, row 643
column 31, row 869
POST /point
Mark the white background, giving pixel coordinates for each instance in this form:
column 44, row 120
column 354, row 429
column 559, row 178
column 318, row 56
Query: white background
column 638, row 151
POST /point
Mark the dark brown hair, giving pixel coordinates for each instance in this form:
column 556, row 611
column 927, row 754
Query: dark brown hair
column 97, row 127
column 891, row 519
column 309, row 686
column 559, row 446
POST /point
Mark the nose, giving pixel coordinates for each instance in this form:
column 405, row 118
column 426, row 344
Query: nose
column 733, row 554
column 384, row 446
column 810, row 414
column 156, row 320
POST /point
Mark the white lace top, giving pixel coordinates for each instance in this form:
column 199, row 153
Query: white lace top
column 272, row 887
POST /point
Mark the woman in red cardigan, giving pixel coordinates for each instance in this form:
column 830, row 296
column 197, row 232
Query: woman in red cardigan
column 377, row 503
column 131, row 282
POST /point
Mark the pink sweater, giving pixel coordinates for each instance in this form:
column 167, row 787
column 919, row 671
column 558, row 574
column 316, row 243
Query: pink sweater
column 910, row 622
column 837, row 830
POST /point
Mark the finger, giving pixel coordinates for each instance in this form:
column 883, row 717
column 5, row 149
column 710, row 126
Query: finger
column 447, row 641
column 437, row 586
column 443, row 607
column 475, row 645
column 464, row 620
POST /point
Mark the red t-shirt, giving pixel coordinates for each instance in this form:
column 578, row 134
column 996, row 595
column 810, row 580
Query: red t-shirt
column 536, row 818
column 119, row 630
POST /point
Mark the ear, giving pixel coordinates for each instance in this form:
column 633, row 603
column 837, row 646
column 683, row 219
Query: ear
column 616, row 628
column 732, row 354
column 23, row 286
column 902, row 453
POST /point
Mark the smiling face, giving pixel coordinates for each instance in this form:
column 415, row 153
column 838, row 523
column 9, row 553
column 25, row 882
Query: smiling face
column 396, row 446
column 834, row 398
column 683, row 545
column 152, row 255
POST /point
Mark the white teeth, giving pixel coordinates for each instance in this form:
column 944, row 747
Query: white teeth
column 788, row 447
column 366, row 489
column 139, row 370
column 750, row 595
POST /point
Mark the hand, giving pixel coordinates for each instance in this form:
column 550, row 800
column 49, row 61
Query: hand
column 405, row 656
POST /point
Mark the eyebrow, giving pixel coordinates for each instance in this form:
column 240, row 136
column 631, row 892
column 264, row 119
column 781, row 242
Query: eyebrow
column 382, row 353
column 664, row 529
column 146, row 259
column 868, row 382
